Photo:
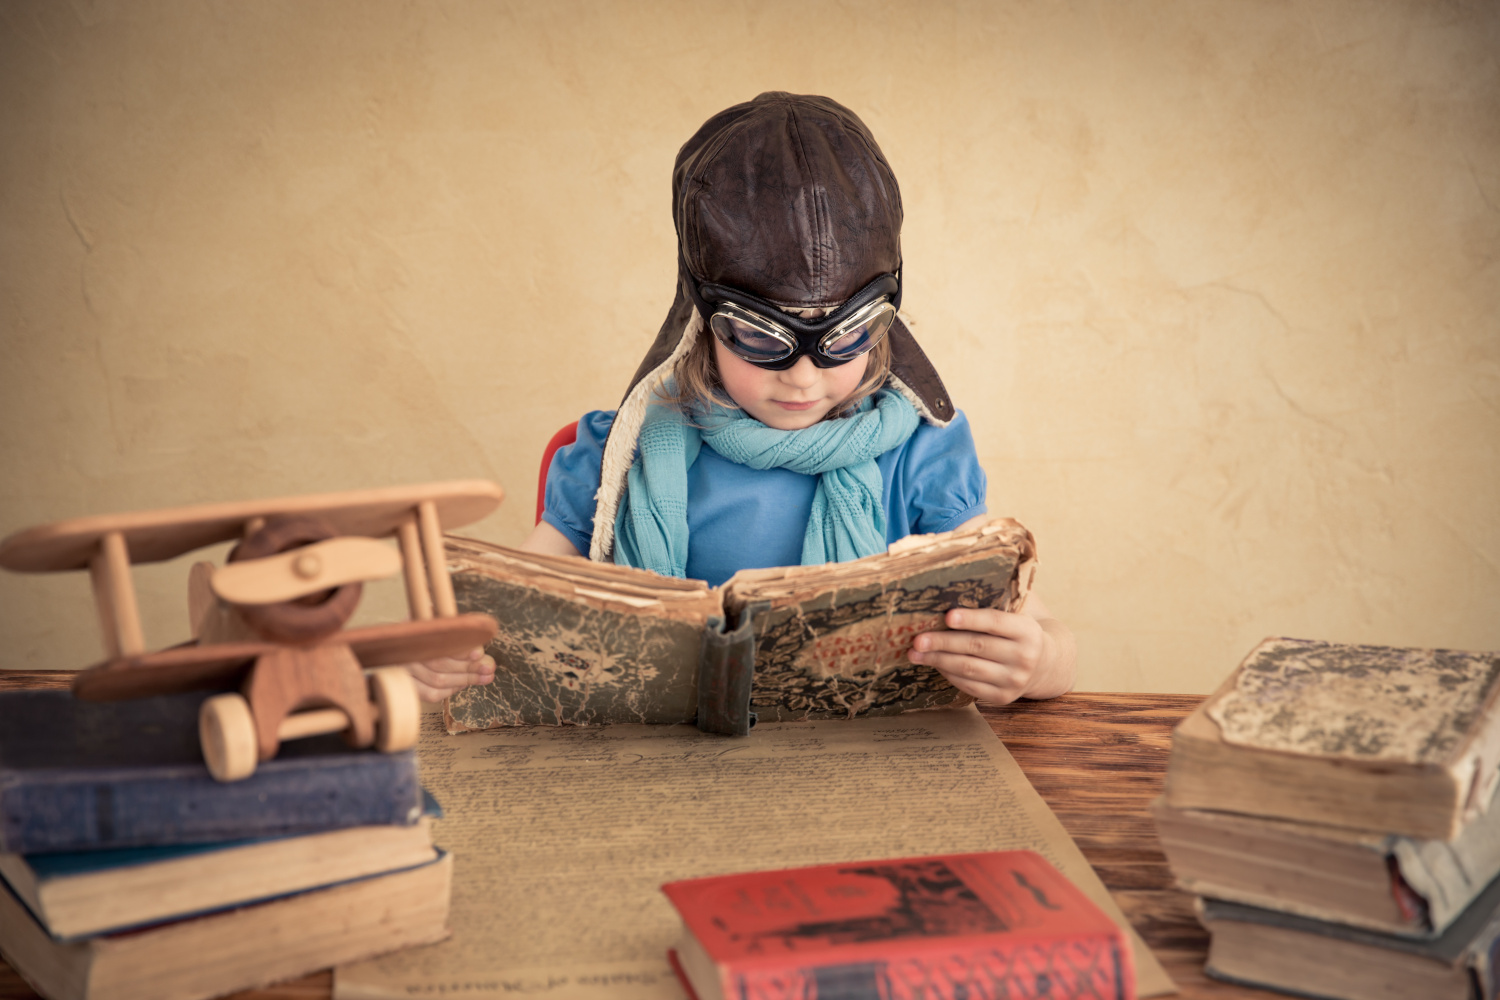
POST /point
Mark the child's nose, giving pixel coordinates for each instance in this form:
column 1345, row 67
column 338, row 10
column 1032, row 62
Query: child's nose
column 802, row 374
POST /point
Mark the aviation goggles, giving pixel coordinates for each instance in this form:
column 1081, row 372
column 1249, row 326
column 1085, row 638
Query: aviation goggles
column 756, row 331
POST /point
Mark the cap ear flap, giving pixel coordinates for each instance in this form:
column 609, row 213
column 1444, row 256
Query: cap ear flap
column 681, row 328
column 915, row 378
column 668, row 338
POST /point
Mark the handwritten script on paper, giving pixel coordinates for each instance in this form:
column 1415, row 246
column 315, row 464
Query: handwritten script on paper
column 562, row 836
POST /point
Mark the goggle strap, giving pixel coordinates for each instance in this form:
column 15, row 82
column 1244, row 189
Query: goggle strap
column 885, row 284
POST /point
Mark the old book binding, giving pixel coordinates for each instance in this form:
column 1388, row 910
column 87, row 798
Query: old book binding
column 1284, row 951
column 1397, row 885
column 78, row 775
column 238, row 949
column 79, row 893
column 939, row 928
column 1401, row 741
column 584, row 642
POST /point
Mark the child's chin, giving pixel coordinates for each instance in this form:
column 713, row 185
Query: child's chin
column 794, row 420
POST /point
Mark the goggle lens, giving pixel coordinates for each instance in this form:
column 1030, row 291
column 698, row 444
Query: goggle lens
column 750, row 340
column 849, row 342
column 760, row 341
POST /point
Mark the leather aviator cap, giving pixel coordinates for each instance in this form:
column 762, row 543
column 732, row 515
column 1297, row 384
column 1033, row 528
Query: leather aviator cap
column 786, row 197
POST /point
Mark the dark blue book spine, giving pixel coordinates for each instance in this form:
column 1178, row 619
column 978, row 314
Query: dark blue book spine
column 130, row 775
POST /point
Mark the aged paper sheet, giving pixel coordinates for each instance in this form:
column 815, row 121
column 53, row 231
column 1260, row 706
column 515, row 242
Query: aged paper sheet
column 562, row 836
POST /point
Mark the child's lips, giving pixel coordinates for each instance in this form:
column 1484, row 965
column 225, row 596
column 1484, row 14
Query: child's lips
column 794, row 404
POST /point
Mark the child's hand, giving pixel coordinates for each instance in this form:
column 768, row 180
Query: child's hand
column 437, row 679
column 999, row 656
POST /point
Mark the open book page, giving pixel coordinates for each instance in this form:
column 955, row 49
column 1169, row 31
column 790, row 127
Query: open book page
column 911, row 556
column 586, row 643
column 832, row 641
column 651, row 593
column 562, row 837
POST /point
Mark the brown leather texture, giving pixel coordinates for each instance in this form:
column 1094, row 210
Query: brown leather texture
column 787, row 197
column 910, row 365
column 667, row 339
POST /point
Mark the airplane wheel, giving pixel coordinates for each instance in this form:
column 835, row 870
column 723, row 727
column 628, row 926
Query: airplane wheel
column 398, row 709
column 226, row 731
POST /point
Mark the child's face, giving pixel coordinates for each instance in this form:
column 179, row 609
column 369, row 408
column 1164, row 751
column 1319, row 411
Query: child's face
column 792, row 399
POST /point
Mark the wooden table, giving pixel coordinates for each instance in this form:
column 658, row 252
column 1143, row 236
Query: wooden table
column 1097, row 759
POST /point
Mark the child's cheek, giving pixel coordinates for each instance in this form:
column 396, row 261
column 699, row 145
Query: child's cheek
column 745, row 383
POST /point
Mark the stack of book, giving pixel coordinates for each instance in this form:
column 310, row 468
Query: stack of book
column 1333, row 808
column 127, row 871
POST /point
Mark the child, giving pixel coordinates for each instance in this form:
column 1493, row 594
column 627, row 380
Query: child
column 785, row 415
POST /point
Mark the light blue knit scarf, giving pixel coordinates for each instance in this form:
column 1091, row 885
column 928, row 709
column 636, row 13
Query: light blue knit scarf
column 847, row 519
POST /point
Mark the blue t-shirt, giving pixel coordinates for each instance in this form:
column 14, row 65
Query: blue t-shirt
column 744, row 518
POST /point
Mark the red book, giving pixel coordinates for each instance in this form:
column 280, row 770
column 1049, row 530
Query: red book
column 1003, row 924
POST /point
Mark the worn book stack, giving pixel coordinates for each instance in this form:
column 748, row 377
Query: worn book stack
column 1333, row 808
column 127, row 871
column 584, row 642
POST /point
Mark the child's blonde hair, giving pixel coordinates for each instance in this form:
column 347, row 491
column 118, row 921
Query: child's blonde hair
column 699, row 386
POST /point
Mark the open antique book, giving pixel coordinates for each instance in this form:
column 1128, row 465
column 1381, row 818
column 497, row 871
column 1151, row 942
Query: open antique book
column 583, row 642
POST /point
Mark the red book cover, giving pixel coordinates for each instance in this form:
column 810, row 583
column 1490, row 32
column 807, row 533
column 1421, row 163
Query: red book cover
column 953, row 927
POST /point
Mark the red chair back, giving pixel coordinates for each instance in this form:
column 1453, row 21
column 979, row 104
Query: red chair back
column 566, row 436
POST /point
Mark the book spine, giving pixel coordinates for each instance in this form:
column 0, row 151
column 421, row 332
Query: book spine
column 66, row 809
column 725, row 673
column 1089, row 966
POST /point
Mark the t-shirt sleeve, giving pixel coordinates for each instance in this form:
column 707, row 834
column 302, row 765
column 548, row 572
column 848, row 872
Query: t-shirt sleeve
column 938, row 483
column 573, row 479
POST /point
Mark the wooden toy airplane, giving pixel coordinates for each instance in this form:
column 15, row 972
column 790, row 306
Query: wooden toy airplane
column 271, row 620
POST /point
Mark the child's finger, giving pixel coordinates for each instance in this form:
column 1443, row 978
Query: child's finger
column 1006, row 624
column 482, row 672
column 980, row 645
column 428, row 693
column 973, row 669
column 982, row 687
column 473, row 661
column 448, row 674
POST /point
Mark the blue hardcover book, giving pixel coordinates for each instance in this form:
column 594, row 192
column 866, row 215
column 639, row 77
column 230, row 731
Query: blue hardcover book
column 80, row 775
column 76, row 894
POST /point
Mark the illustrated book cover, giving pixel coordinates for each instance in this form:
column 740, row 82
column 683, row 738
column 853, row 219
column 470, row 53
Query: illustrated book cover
column 78, row 775
column 1392, row 740
column 1002, row 923
column 583, row 642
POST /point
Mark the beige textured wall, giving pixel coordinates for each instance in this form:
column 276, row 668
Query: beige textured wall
column 1218, row 283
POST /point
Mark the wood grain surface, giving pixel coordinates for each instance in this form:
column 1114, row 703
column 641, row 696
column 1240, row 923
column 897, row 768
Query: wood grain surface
column 1097, row 759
